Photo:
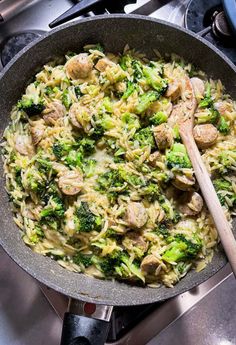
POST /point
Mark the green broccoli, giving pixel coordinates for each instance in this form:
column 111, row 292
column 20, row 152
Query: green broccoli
column 45, row 166
column 61, row 148
column 177, row 157
column 154, row 79
column 129, row 90
column 125, row 62
column 88, row 167
column 162, row 230
column 66, row 99
column 82, row 259
column 145, row 100
column 223, row 127
column 18, row 177
column 158, row 118
column 207, row 101
column 227, row 159
column 181, row 249
column 130, row 120
column 86, row 146
column 48, row 90
column 151, row 191
column 54, row 209
column 97, row 46
column 78, row 92
column 137, row 70
column 31, row 108
column 75, row 159
column 97, row 132
column 86, row 220
column 212, row 116
column 145, row 137
column 225, row 192
column 110, row 179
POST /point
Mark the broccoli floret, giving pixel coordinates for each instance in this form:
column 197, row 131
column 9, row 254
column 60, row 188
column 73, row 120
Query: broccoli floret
column 181, row 249
column 145, row 100
column 18, row 177
column 83, row 259
column 97, row 46
column 78, row 92
column 125, row 62
column 223, row 126
column 162, row 230
column 87, row 146
column 131, row 120
column 113, row 264
column 177, row 157
column 60, row 149
column 227, row 160
column 48, row 90
column 225, row 192
column 66, row 99
column 151, row 192
column 222, row 184
column 44, row 165
column 88, row 167
column 110, row 179
column 213, row 115
column 158, row 118
column 129, row 90
column 145, row 137
column 75, row 159
column 56, row 208
column 31, row 108
column 207, row 101
column 87, row 221
column 154, row 79
column 97, row 132
column 137, row 70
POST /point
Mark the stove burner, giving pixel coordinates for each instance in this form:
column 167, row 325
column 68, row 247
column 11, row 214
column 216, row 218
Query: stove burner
column 12, row 45
column 208, row 20
column 220, row 26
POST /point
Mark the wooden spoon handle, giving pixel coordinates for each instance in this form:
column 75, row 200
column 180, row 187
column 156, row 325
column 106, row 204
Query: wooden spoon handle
column 222, row 225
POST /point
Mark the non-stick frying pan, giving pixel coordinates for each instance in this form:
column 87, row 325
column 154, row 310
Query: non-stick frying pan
column 114, row 32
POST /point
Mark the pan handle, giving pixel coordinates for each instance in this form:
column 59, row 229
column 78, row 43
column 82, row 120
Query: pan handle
column 82, row 330
column 85, row 323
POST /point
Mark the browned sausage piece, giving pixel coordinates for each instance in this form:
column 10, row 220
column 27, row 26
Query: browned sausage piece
column 53, row 112
column 183, row 182
column 185, row 108
column 198, row 87
column 154, row 158
column 191, row 204
column 37, row 129
column 136, row 240
column 103, row 63
column 70, row 182
column 79, row 66
column 150, row 264
column 136, row 215
column 205, row 135
column 163, row 136
column 173, row 90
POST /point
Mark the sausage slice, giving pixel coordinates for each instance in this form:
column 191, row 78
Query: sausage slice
column 183, row 182
column 70, row 182
column 205, row 135
column 79, row 66
column 136, row 215
column 150, row 264
column 198, row 87
column 163, row 136
column 53, row 112
column 191, row 204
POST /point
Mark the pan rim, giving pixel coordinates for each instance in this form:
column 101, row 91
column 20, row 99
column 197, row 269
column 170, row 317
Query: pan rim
column 31, row 270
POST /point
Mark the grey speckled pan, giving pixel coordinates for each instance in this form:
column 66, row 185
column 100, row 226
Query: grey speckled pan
column 113, row 31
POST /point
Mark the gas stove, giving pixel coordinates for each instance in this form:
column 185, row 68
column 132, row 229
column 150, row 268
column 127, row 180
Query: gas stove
column 205, row 315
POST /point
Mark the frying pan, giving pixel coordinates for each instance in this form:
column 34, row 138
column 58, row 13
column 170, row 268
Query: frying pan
column 113, row 31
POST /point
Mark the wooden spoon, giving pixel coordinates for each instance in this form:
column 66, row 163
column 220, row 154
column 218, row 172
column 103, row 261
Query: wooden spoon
column 183, row 115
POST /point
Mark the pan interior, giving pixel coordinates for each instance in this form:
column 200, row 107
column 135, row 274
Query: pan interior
column 114, row 32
